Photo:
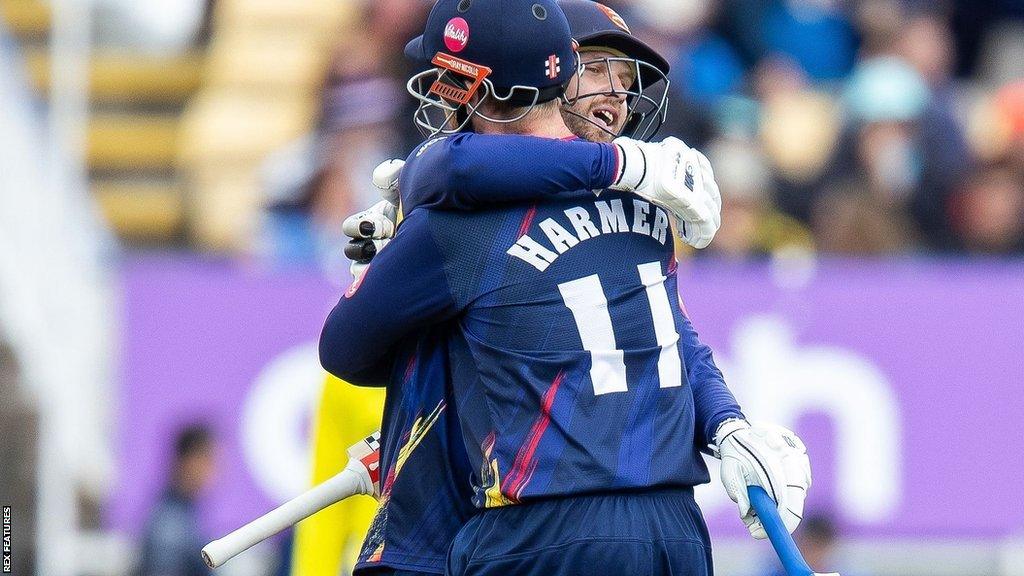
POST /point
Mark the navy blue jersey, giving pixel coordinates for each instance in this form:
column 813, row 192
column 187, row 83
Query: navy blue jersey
column 574, row 369
column 425, row 490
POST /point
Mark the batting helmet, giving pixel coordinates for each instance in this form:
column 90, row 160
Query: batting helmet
column 515, row 51
column 597, row 26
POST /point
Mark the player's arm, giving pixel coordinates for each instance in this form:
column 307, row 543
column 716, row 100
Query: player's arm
column 713, row 402
column 466, row 171
column 386, row 304
column 758, row 454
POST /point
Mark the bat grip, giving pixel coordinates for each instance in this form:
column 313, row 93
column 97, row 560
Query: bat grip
column 781, row 540
column 340, row 486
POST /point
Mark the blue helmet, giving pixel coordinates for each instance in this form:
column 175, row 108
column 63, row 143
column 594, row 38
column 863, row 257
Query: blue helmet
column 597, row 26
column 519, row 52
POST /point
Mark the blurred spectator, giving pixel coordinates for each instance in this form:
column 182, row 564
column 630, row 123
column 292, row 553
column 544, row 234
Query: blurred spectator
column 816, row 35
column 171, row 541
column 704, row 65
column 843, row 125
column 927, row 45
column 799, row 133
column 847, row 219
column 989, row 214
column 750, row 224
column 901, row 156
column 816, row 536
column 880, row 23
column 365, row 117
column 1008, row 106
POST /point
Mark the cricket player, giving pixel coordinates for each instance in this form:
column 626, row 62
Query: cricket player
column 399, row 541
column 573, row 409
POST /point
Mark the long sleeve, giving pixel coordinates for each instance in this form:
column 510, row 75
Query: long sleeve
column 467, row 171
column 712, row 399
column 403, row 290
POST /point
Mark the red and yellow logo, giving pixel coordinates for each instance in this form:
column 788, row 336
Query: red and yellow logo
column 614, row 17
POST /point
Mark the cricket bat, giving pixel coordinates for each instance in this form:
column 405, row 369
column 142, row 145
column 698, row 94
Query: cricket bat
column 792, row 560
column 360, row 476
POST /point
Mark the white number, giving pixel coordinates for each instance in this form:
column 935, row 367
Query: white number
column 586, row 300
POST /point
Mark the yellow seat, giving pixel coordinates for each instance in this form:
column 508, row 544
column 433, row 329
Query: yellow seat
column 142, row 210
column 224, row 207
column 131, row 142
column 234, row 127
column 26, row 18
column 129, row 78
column 243, row 59
column 277, row 15
column 260, row 91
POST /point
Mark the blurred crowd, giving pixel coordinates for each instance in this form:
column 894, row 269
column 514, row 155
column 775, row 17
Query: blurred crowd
column 843, row 126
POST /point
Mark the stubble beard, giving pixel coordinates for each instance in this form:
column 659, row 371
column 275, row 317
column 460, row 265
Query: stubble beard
column 584, row 128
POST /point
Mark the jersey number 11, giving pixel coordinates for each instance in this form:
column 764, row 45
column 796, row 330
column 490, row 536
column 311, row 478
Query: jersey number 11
column 586, row 300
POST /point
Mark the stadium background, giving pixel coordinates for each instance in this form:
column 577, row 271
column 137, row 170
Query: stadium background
column 173, row 174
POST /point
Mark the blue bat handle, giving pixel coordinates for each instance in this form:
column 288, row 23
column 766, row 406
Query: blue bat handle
column 783, row 543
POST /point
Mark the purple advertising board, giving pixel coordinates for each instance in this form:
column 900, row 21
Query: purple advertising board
column 902, row 376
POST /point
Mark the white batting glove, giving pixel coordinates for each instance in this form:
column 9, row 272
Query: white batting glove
column 699, row 233
column 764, row 455
column 377, row 222
column 679, row 178
column 385, row 178
column 374, row 227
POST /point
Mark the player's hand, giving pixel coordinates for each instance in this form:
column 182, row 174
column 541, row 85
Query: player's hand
column 699, row 233
column 676, row 177
column 371, row 229
column 385, row 178
column 764, row 455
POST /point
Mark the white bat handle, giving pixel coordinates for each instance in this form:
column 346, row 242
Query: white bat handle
column 338, row 487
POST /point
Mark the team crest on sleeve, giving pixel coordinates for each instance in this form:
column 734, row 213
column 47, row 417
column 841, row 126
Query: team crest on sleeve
column 552, row 66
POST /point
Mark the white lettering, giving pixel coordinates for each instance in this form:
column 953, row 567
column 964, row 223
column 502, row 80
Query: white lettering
column 530, row 251
column 580, row 220
column 660, row 225
column 779, row 378
column 640, row 211
column 613, row 217
column 455, row 33
column 560, row 238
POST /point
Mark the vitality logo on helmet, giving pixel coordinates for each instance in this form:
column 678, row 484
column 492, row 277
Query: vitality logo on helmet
column 456, row 34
